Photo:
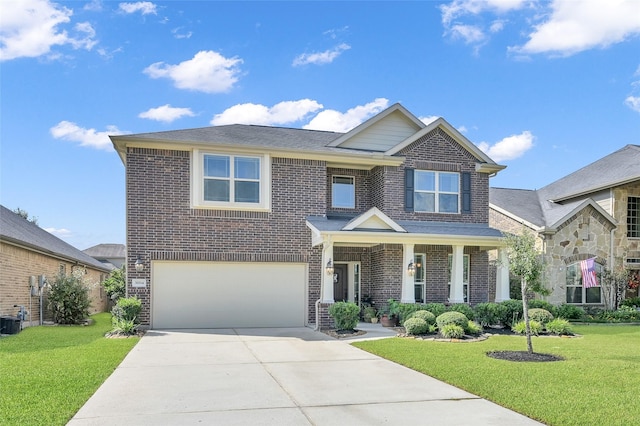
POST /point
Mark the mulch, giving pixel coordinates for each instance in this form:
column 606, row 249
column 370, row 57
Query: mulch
column 524, row 356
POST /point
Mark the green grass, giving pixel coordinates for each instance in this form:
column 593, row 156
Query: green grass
column 598, row 383
column 48, row 373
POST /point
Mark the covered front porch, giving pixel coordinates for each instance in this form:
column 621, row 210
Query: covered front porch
column 372, row 258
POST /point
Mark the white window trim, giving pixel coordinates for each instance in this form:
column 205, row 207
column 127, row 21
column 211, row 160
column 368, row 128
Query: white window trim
column 420, row 281
column 353, row 178
column 437, row 192
column 197, row 183
column 577, row 283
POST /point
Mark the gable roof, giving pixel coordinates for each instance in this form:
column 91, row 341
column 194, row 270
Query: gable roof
column 16, row 230
column 106, row 251
column 377, row 141
column 615, row 169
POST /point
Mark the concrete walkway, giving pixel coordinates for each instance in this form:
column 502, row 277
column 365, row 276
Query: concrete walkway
column 293, row 376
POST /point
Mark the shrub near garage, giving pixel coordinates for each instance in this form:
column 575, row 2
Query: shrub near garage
column 345, row 315
column 68, row 299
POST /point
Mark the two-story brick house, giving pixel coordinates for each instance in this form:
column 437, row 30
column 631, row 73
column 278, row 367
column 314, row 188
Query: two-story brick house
column 591, row 213
column 249, row 226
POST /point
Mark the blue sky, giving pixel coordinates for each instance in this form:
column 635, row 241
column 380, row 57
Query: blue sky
column 544, row 87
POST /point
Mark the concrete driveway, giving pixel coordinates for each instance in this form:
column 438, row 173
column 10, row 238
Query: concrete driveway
column 293, row 376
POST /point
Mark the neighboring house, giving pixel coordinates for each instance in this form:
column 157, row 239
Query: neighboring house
column 28, row 252
column 254, row 226
column 111, row 256
column 591, row 213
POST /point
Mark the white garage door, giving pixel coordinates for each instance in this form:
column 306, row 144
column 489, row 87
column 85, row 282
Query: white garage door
column 227, row 295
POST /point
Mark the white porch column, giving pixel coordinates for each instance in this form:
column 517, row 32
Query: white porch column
column 456, row 293
column 327, row 279
column 408, row 292
column 502, row 276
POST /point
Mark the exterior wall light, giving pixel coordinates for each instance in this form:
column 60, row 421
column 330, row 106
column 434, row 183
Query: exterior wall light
column 411, row 269
column 139, row 265
column 329, row 267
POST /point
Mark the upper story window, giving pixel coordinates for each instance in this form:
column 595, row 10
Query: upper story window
column 343, row 192
column 436, row 192
column 633, row 217
column 230, row 181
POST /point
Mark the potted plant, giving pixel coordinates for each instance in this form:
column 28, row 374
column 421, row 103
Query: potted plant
column 369, row 314
column 389, row 314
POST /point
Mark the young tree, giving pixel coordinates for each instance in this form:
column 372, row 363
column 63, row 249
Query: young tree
column 525, row 262
column 115, row 285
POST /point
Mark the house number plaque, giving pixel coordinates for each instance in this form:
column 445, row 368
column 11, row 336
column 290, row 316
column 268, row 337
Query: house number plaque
column 138, row 282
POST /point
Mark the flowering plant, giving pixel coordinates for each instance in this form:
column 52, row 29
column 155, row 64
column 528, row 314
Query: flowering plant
column 634, row 280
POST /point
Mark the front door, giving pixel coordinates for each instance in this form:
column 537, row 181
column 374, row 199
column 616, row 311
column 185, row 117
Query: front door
column 340, row 283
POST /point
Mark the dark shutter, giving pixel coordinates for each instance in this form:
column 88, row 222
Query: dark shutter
column 408, row 190
column 466, row 192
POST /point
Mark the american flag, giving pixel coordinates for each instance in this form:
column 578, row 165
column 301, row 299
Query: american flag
column 588, row 268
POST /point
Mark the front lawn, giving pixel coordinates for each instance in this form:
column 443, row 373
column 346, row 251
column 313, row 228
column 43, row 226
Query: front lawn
column 48, row 373
column 598, row 383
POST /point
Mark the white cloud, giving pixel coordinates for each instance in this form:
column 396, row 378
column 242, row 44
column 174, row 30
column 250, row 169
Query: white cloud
column 508, row 148
column 166, row 113
column 428, row 119
column 207, row 72
column 180, row 34
column 59, row 232
column 471, row 34
column 321, row 58
column 144, row 7
column 30, row 28
column 93, row 6
column 633, row 102
column 577, row 25
column 69, row 131
column 281, row 113
column 458, row 8
column 336, row 121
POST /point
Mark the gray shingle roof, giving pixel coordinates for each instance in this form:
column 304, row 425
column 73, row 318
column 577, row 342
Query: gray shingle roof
column 16, row 229
column 615, row 169
column 107, row 251
column 454, row 229
column 550, row 204
column 249, row 136
column 524, row 203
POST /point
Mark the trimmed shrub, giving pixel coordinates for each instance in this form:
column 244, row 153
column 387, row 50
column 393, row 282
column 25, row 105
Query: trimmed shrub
column 543, row 304
column 415, row 326
column 115, row 285
column 559, row 326
column 436, row 309
column 425, row 315
column 487, row 313
column 569, row 312
column 68, row 299
column 345, row 315
column 123, row 326
column 464, row 309
column 453, row 317
column 405, row 310
column 473, row 328
column 633, row 302
column 452, row 331
column 127, row 309
column 510, row 312
column 521, row 328
column 540, row 315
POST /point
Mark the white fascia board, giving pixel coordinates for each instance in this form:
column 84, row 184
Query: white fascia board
column 365, row 161
column 488, row 166
column 599, row 188
column 516, row 218
column 373, row 238
column 373, row 212
column 316, row 235
column 585, row 203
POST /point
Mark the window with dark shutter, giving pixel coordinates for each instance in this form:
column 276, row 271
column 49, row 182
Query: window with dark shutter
column 408, row 190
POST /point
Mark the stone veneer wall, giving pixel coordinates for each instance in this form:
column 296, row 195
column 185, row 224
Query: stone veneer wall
column 624, row 247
